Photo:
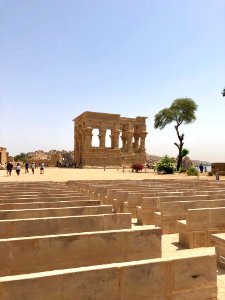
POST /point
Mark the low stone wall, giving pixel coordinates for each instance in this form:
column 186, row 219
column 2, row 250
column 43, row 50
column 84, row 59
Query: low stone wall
column 25, row 199
column 218, row 240
column 54, row 212
column 63, row 225
column 200, row 224
column 55, row 204
column 159, row 279
column 150, row 205
column 171, row 212
column 45, row 253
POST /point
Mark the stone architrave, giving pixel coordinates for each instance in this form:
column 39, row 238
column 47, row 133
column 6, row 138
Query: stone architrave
column 132, row 132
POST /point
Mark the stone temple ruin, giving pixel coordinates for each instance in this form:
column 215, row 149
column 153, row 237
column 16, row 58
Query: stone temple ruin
column 130, row 132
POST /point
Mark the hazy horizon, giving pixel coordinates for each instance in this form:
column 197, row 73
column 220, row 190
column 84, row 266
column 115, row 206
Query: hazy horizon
column 59, row 59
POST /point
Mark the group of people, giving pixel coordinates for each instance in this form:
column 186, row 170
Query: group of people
column 33, row 166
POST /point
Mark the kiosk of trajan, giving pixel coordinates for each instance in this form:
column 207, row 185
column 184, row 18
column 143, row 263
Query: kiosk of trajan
column 120, row 140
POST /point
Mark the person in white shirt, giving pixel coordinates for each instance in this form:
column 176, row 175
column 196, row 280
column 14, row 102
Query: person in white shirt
column 33, row 165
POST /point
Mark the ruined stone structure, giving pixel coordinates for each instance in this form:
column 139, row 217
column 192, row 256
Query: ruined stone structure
column 218, row 167
column 131, row 131
column 3, row 156
column 62, row 241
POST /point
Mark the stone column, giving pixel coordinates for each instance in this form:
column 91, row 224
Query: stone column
column 143, row 135
column 136, row 141
column 124, row 141
column 116, row 135
column 88, row 137
column 129, row 140
column 102, row 132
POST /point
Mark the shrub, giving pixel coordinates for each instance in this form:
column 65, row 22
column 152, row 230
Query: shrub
column 166, row 165
column 137, row 167
column 182, row 170
column 192, row 171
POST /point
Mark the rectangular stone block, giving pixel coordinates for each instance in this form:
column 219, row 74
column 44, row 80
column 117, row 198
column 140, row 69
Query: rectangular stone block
column 56, row 204
column 145, row 216
column 117, row 221
column 158, row 279
column 63, row 225
column 192, row 273
column 54, row 212
column 145, row 280
column 218, row 240
column 75, row 250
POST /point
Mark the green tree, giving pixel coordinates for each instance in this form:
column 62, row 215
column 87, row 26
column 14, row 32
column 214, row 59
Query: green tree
column 21, row 157
column 184, row 152
column 181, row 111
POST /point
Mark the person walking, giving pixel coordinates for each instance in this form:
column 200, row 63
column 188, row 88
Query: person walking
column 42, row 166
column 201, row 167
column 26, row 167
column 18, row 168
column 33, row 167
column 9, row 168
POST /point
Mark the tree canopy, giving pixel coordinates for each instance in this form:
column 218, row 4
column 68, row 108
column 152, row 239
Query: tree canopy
column 181, row 111
column 223, row 92
column 21, row 157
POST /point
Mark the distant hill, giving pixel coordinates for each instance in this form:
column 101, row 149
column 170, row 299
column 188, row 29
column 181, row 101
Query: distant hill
column 198, row 162
column 154, row 158
column 42, row 155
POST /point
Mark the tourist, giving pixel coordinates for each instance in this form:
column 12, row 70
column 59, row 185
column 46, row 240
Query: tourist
column 9, row 168
column 33, row 166
column 42, row 166
column 201, row 168
column 26, row 167
column 18, row 168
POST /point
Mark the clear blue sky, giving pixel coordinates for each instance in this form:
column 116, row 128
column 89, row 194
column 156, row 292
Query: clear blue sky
column 61, row 58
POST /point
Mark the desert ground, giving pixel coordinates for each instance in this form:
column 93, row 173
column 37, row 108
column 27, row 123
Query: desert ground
column 65, row 174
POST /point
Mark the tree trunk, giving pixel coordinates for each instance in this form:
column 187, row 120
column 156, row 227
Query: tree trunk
column 179, row 146
column 179, row 160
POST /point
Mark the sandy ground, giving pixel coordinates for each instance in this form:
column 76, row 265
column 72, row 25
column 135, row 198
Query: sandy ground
column 65, row 174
